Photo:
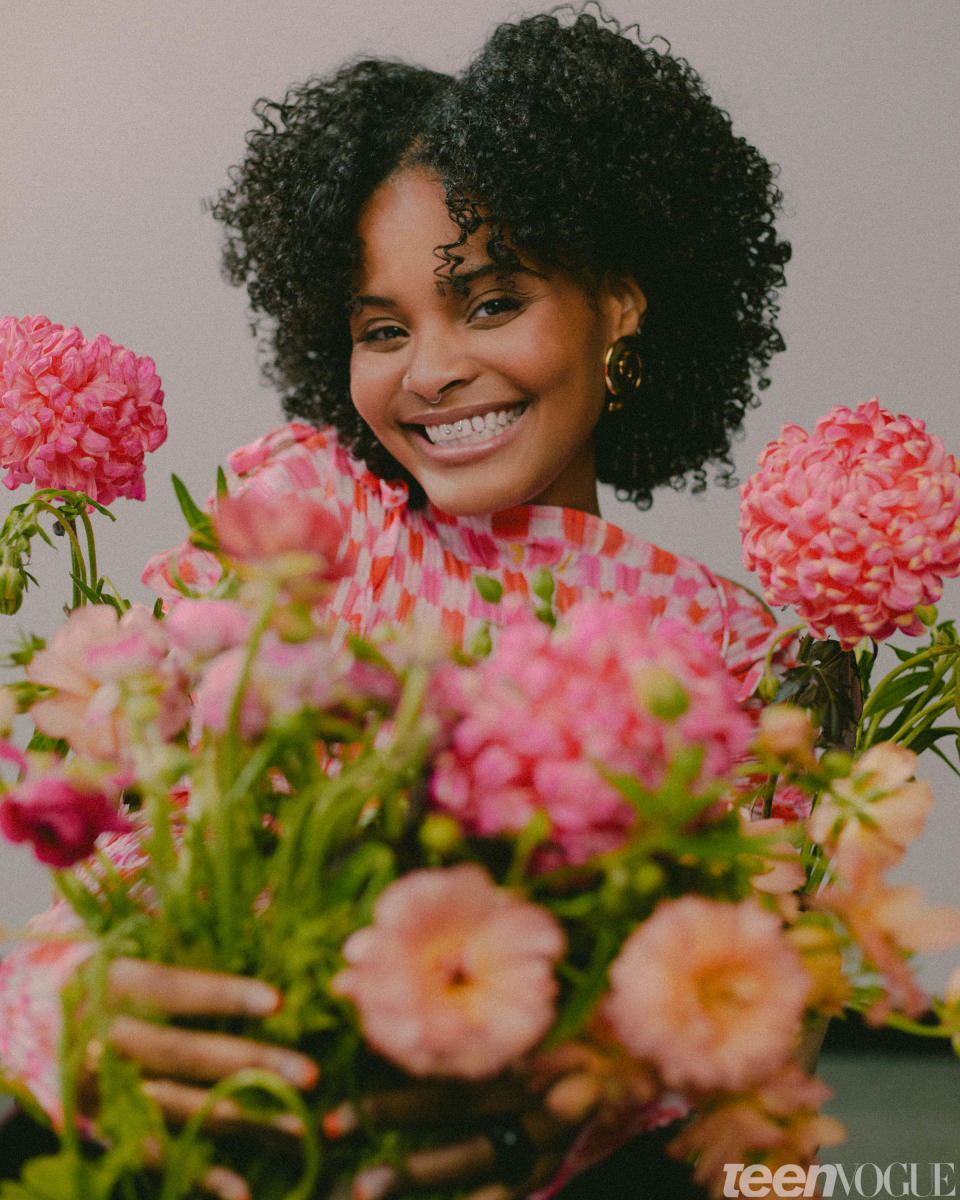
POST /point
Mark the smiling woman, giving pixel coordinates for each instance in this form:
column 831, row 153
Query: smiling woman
column 440, row 265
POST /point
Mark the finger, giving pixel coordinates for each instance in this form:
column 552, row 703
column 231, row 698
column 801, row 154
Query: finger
column 188, row 1054
column 219, row 1182
column 427, row 1103
column 572, row 1098
column 186, row 992
column 179, row 1102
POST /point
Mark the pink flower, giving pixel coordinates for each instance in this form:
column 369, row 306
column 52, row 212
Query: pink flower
column 708, row 991
column 539, row 722
column 201, row 629
column 284, row 678
column 91, row 661
column 75, row 414
column 856, row 524
column 61, row 816
column 455, row 975
column 290, row 537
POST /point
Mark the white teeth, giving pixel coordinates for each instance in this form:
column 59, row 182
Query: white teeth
column 474, row 429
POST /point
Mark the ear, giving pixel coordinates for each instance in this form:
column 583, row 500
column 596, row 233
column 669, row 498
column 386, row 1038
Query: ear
column 629, row 306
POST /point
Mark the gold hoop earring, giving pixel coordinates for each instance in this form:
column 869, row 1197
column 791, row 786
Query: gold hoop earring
column 622, row 370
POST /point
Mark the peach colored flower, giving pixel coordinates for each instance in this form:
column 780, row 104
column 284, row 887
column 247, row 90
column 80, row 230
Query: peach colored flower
column 856, row 524
column 709, row 992
column 787, row 733
column 538, row 723
column 289, row 537
column 878, row 809
column 89, row 661
column 887, row 924
column 61, row 815
column 455, row 975
column 776, row 1123
column 75, row 414
column 821, row 948
column 780, row 870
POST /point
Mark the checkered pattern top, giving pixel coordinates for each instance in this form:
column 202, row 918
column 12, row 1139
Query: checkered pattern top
column 421, row 565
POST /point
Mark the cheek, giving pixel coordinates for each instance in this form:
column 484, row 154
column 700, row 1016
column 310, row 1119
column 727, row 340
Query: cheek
column 370, row 389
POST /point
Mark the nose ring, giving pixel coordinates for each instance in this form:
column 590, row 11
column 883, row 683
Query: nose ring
column 435, row 399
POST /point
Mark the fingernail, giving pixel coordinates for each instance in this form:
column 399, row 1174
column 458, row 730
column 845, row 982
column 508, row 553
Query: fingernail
column 340, row 1121
column 374, row 1183
column 225, row 1184
column 261, row 1000
column 289, row 1123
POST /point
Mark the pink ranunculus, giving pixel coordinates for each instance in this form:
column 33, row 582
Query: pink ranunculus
column 855, row 524
column 284, row 678
column 199, row 630
column 538, row 723
column 710, row 992
column 89, row 661
column 60, row 816
column 291, row 537
column 455, row 975
column 75, row 414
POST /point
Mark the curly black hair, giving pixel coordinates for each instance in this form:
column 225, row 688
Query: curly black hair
column 586, row 150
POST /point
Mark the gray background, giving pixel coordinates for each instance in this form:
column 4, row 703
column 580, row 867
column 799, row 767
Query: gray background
column 120, row 116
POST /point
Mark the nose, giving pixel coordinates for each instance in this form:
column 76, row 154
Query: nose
column 436, row 364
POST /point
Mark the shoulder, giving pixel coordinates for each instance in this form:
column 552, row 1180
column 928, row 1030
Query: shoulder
column 735, row 619
column 293, row 458
column 301, row 458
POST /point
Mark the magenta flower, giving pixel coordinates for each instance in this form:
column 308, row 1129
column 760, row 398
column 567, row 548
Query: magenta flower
column 539, row 722
column 60, row 816
column 855, row 524
column 709, row 992
column 455, row 975
column 75, row 414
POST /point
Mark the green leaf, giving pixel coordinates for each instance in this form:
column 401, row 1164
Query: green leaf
column 490, row 589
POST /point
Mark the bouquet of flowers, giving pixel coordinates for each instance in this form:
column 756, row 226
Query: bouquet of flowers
column 563, row 874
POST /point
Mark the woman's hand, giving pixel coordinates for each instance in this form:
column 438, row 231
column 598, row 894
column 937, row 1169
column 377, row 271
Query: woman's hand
column 523, row 1123
column 177, row 1063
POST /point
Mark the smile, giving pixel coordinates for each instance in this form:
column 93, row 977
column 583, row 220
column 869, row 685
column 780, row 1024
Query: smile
column 474, row 429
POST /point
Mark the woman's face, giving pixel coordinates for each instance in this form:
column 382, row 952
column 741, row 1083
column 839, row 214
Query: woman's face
column 487, row 392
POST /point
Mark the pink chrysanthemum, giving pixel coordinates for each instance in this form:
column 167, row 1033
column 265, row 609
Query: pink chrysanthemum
column 710, row 992
column 455, row 975
column 539, row 722
column 75, row 414
column 855, row 524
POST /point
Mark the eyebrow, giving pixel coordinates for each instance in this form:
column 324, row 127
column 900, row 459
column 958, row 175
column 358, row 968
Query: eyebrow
column 462, row 280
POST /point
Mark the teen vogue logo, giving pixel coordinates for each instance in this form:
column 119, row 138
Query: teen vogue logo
column 863, row 1182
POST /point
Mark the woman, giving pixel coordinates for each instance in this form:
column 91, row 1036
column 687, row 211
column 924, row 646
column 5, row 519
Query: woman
column 491, row 292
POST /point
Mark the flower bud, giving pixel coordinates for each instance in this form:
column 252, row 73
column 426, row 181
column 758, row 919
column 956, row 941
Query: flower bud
column 786, row 732
column 927, row 613
column 12, row 585
column 441, row 834
column 767, row 688
column 660, row 692
column 648, row 878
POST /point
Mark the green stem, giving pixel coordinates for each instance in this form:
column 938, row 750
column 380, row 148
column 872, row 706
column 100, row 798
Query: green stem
column 868, row 729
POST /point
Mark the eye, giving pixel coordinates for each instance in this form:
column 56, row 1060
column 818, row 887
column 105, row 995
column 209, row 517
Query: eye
column 492, row 307
column 382, row 333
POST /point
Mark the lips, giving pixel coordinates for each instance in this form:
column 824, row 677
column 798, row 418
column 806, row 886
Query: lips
column 478, row 428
